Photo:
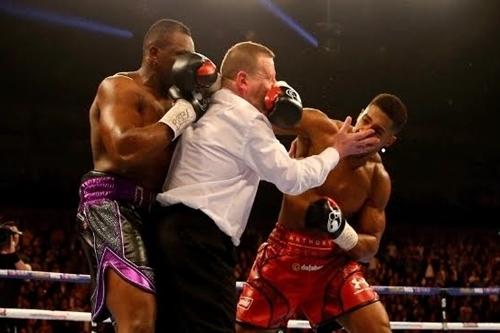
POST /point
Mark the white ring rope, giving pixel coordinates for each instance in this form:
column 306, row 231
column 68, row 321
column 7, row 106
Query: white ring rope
column 395, row 325
column 382, row 290
column 44, row 276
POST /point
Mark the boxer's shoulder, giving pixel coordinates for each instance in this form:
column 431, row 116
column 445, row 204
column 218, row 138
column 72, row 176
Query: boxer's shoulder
column 317, row 120
column 315, row 115
column 336, row 123
column 120, row 85
column 376, row 158
column 380, row 177
column 314, row 111
column 374, row 164
column 121, row 79
column 125, row 75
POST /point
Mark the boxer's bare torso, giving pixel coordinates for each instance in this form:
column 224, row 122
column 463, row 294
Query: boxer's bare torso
column 355, row 184
column 123, row 103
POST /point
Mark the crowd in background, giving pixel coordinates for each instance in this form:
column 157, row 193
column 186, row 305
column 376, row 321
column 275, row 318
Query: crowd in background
column 433, row 258
column 54, row 249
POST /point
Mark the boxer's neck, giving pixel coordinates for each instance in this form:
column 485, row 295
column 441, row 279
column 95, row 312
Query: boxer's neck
column 357, row 161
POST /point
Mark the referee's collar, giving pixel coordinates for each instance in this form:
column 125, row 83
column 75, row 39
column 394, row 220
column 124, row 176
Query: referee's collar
column 226, row 96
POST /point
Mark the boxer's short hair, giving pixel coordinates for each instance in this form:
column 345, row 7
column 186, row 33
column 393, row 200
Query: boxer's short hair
column 156, row 33
column 394, row 108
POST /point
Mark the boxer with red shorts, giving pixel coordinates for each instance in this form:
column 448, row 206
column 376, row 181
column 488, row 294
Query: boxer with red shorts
column 309, row 264
column 302, row 271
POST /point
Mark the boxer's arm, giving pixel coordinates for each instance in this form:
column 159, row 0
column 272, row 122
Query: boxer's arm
column 125, row 137
column 317, row 127
column 371, row 223
column 313, row 122
column 300, row 145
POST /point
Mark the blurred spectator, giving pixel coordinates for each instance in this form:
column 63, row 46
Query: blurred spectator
column 50, row 249
column 10, row 259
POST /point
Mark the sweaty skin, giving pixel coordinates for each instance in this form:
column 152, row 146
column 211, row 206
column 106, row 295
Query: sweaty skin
column 126, row 137
column 359, row 184
column 128, row 141
column 122, row 104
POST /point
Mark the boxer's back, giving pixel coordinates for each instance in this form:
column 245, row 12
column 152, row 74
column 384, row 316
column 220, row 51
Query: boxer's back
column 123, row 103
column 349, row 184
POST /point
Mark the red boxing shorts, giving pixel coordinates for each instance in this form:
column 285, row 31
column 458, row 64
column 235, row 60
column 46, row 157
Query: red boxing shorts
column 301, row 272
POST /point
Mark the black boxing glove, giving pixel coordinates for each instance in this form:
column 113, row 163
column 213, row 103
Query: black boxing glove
column 325, row 215
column 193, row 72
column 194, row 76
column 283, row 105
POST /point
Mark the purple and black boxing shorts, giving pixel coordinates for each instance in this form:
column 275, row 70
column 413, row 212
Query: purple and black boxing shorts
column 111, row 216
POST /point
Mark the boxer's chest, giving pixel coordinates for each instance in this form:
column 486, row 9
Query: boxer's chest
column 153, row 109
column 349, row 188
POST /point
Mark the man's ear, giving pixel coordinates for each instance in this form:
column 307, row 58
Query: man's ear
column 391, row 141
column 153, row 53
column 241, row 82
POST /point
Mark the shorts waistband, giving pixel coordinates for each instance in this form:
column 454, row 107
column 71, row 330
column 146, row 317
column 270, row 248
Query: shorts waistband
column 99, row 185
column 303, row 241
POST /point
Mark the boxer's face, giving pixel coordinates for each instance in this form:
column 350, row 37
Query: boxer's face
column 372, row 117
column 260, row 81
column 176, row 43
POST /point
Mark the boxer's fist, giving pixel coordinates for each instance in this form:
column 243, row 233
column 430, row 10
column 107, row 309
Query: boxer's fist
column 193, row 72
column 198, row 101
column 194, row 76
column 325, row 215
column 283, row 105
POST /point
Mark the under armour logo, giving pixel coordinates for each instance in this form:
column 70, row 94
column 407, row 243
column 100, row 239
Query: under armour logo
column 245, row 302
column 359, row 283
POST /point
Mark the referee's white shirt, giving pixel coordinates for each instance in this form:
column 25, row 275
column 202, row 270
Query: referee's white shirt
column 220, row 160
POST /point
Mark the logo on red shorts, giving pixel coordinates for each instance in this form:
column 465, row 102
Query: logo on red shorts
column 296, row 267
column 245, row 302
column 359, row 284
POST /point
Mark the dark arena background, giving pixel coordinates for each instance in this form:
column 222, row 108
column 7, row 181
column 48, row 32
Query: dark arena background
column 442, row 57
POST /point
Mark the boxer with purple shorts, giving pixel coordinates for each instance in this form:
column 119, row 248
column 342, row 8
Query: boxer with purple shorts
column 133, row 124
column 111, row 215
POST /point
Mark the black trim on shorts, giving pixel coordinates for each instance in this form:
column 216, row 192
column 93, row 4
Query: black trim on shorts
column 333, row 320
column 332, row 324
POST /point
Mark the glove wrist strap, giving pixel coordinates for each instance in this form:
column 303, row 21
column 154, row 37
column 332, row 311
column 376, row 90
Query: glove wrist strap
column 347, row 238
column 180, row 116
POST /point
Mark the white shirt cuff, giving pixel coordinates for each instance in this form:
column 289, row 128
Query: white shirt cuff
column 331, row 156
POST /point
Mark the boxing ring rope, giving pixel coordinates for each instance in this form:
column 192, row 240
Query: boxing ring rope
column 395, row 325
column 382, row 290
column 44, row 276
